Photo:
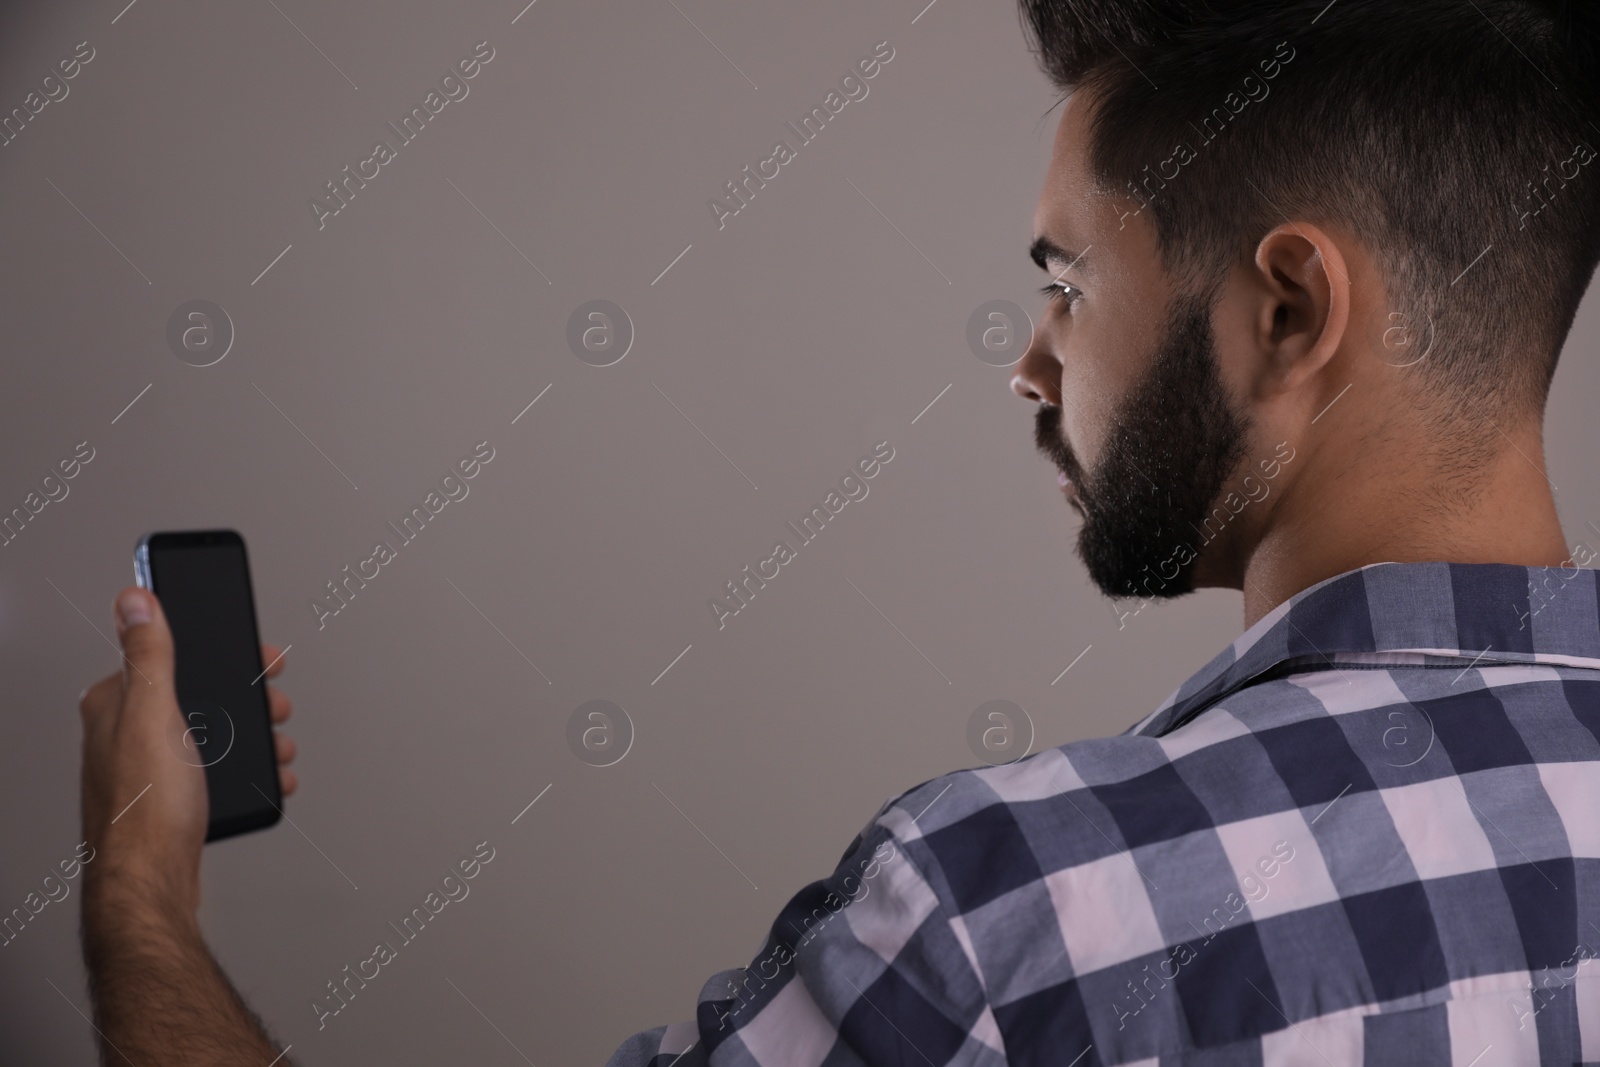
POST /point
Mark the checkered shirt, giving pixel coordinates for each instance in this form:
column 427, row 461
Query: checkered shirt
column 1367, row 832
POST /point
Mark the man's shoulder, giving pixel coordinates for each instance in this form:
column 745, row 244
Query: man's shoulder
column 1256, row 771
column 1125, row 772
column 1012, row 831
column 1277, row 753
column 1277, row 801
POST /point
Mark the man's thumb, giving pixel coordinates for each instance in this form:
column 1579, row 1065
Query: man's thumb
column 146, row 641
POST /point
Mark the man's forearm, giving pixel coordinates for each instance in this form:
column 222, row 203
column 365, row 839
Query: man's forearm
column 159, row 996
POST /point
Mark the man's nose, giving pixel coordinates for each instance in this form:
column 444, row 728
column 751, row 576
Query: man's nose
column 1038, row 376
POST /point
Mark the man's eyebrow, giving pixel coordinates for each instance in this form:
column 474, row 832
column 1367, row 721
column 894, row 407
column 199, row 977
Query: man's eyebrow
column 1044, row 252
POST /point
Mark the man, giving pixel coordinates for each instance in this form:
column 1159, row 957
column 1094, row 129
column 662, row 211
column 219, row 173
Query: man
column 1310, row 268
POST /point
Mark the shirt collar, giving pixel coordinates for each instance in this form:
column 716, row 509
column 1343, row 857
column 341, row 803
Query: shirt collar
column 1480, row 612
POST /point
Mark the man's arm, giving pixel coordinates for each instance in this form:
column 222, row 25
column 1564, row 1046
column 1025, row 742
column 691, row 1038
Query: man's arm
column 159, row 995
column 862, row 967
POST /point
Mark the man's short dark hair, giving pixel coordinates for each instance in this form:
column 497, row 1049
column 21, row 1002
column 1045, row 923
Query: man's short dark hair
column 1454, row 138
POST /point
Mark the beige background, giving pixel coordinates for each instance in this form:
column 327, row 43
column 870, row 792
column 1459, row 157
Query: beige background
column 795, row 339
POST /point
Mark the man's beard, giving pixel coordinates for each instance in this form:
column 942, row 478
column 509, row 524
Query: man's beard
column 1174, row 442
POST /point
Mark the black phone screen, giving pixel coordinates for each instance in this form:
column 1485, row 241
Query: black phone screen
column 203, row 582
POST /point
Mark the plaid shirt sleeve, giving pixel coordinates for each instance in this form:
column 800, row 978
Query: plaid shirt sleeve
column 864, row 966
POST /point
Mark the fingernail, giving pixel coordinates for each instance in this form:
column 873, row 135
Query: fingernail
column 133, row 609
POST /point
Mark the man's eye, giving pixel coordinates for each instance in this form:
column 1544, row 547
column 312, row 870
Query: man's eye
column 1061, row 292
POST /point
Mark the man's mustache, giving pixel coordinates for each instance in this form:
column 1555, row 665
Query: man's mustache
column 1048, row 438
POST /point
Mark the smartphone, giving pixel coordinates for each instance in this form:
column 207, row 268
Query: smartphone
column 202, row 579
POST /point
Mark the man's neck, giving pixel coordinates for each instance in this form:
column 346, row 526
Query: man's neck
column 1348, row 514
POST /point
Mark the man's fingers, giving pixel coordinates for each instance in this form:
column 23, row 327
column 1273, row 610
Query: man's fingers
column 287, row 781
column 280, row 704
column 272, row 656
column 146, row 646
column 284, row 745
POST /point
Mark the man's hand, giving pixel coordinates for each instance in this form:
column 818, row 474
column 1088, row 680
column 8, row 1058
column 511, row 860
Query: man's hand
column 144, row 805
column 159, row 995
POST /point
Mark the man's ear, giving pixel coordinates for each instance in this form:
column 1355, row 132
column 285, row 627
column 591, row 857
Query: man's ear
column 1304, row 287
